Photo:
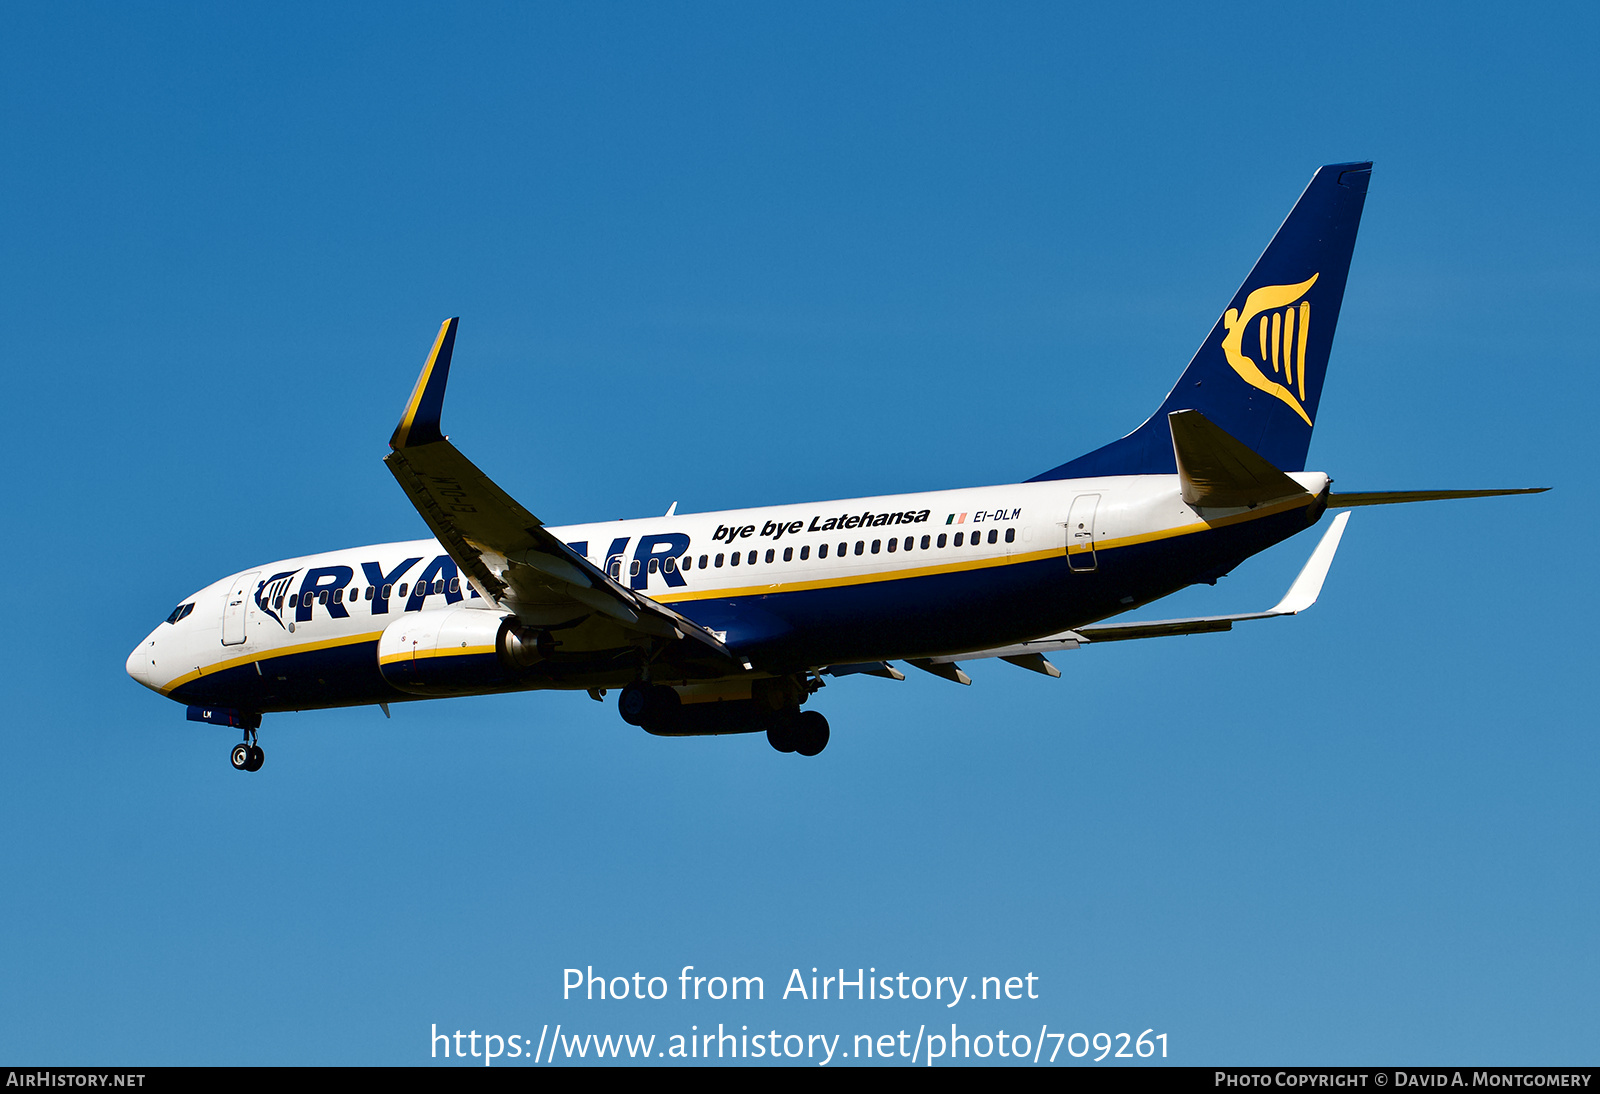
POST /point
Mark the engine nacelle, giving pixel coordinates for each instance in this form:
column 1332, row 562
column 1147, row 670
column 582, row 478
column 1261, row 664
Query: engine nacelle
column 454, row 651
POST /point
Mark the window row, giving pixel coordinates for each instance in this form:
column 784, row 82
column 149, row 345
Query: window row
column 862, row 547
column 339, row 596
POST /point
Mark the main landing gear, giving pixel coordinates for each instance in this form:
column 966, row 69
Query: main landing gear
column 657, row 709
column 805, row 733
column 247, row 755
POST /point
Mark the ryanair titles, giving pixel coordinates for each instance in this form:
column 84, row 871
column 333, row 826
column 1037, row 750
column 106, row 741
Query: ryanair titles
column 776, row 530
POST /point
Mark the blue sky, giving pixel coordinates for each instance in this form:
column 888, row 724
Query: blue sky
column 728, row 255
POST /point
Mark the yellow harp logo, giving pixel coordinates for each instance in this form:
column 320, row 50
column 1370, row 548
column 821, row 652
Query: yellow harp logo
column 1282, row 340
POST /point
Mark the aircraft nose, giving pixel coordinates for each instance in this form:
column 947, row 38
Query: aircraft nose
column 141, row 661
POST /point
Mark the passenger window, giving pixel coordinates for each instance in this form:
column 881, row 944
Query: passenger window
column 402, row 588
column 1011, row 535
column 941, row 539
column 911, row 541
column 925, row 543
column 703, row 561
column 438, row 586
column 752, row 559
column 876, row 544
column 338, row 596
column 771, row 554
column 322, row 597
column 958, row 538
column 805, row 552
column 669, row 564
column 733, row 558
column 844, row 549
column 894, row 545
column 718, row 562
column 615, row 570
column 788, row 554
column 371, row 592
column 993, row 535
column 633, row 568
column 455, row 584
column 387, row 589
column 822, row 551
column 861, row 546
column 655, row 565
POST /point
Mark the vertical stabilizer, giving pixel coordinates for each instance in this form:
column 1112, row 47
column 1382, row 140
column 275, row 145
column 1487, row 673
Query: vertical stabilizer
column 1258, row 375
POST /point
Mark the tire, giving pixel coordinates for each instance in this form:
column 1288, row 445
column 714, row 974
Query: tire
column 781, row 734
column 257, row 758
column 241, row 757
column 633, row 704
column 811, row 733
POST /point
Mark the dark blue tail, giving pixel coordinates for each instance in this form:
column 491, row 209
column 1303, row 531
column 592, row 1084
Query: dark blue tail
column 1259, row 372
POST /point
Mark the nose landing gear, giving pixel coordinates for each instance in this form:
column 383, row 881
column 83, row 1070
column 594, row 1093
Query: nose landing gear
column 247, row 755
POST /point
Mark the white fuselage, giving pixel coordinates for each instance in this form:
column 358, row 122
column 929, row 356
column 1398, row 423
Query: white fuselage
column 709, row 564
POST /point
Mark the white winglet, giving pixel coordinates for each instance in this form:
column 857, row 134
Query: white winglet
column 1303, row 593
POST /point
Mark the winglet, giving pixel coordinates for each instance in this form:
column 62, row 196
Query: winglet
column 1303, row 593
column 420, row 422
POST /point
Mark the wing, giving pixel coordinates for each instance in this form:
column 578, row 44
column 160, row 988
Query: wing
column 1030, row 655
column 512, row 559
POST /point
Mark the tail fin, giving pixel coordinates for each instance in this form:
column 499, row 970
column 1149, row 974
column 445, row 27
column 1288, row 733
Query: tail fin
column 1258, row 375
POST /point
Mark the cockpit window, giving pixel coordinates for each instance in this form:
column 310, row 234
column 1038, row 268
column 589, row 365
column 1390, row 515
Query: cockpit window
column 180, row 611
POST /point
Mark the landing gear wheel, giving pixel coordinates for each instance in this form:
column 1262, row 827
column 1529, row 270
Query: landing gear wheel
column 257, row 758
column 241, row 757
column 634, row 703
column 781, row 734
column 810, row 733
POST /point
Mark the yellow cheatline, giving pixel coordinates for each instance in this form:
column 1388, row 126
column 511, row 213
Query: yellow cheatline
column 403, row 433
column 268, row 656
column 1305, row 328
column 418, row 655
column 985, row 563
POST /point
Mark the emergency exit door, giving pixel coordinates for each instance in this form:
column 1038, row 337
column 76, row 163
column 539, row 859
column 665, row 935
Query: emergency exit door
column 1080, row 533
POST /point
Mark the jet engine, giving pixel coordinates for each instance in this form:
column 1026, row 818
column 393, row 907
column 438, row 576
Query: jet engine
column 456, row 651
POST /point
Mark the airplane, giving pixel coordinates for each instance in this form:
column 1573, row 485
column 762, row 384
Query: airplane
column 731, row 622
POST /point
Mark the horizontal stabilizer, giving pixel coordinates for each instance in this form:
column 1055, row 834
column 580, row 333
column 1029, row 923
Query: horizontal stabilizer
column 1218, row 470
column 1399, row 497
column 1301, row 595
